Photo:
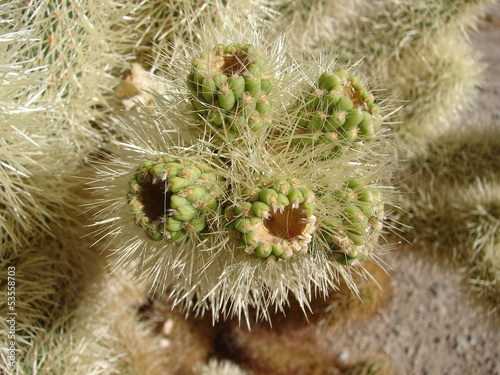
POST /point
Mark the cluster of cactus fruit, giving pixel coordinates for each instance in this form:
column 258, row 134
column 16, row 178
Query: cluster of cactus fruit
column 274, row 219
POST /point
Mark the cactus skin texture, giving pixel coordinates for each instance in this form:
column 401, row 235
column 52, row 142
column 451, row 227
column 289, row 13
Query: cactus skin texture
column 357, row 230
column 337, row 110
column 230, row 88
column 171, row 200
column 275, row 221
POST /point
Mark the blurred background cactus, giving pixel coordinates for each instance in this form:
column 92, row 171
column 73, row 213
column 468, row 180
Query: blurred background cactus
column 191, row 161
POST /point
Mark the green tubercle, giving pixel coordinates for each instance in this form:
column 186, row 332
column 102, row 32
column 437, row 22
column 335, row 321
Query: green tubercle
column 170, row 199
column 229, row 88
column 275, row 221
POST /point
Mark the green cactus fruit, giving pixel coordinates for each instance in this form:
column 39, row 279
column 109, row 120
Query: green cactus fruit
column 337, row 110
column 275, row 221
column 230, row 88
column 170, row 199
column 354, row 234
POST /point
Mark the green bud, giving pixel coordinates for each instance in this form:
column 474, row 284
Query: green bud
column 307, row 194
column 159, row 170
column 260, row 209
column 262, row 105
column 353, row 118
column 282, row 200
column 334, row 121
column 282, row 186
column 244, row 225
column 154, row 233
column 365, row 126
column 295, row 196
column 256, row 122
column 177, row 201
column 172, row 225
column 277, row 251
column 208, row 88
column 178, row 183
column 329, row 81
column 226, row 100
column 376, row 122
column 215, row 117
column 220, row 81
column 344, row 103
column 173, row 169
column 357, row 239
column 249, row 238
column 244, row 208
column 185, row 213
column 342, row 258
column 268, row 196
column 330, row 102
column 253, row 85
column 266, row 84
column 134, row 204
column 190, row 173
column 263, row 250
column 178, row 237
column 353, row 183
column 199, row 223
column 237, row 86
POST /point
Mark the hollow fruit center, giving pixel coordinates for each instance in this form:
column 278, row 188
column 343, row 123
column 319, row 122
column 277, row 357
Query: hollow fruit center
column 287, row 223
column 155, row 199
column 355, row 96
column 235, row 63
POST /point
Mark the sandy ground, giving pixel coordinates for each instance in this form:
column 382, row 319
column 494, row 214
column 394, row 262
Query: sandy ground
column 432, row 325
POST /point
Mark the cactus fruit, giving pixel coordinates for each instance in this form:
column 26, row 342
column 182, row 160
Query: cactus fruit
column 337, row 110
column 230, row 87
column 170, row 200
column 275, row 221
column 352, row 236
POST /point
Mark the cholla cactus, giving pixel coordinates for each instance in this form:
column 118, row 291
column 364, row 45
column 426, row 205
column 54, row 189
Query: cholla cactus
column 272, row 214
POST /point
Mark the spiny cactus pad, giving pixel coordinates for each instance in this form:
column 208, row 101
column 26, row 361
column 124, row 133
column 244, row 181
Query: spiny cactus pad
column 230, row 87
column 356, row 231
column 275, row 221
column 338, row 110
column 171, row 199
